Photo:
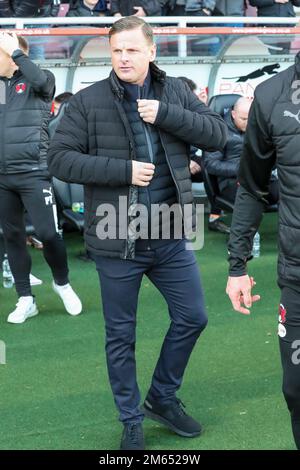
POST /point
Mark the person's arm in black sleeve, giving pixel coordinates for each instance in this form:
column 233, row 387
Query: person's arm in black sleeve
column 114, row 7
column 26, row 8
column 5, row 9
column 217, row 164
column 69, row 158
column 262, row 3
column 194, row 123
column 256, row 165
column 42, row 81
column 152, row 7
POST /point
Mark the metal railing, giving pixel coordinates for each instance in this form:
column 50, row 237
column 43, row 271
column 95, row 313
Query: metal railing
column 178, row 21
column 181, row 21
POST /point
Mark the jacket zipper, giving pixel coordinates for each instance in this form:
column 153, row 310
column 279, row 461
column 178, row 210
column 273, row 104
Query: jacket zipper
column 131, row 146
column 151, row 157
column 149, row 144
column 126, row 244
column 171, row 170
column 150, row 151
column 159, row 97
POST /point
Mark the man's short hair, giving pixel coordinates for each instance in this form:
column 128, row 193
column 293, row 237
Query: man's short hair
column 63, row 97
column 129, row 23
column 190, row 83
column 240, row 101
column 23, row 44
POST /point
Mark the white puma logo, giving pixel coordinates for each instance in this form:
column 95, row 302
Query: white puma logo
column 49, row 198
column 295, row 116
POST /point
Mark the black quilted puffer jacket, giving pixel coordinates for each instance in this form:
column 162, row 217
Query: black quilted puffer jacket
column 94, row 146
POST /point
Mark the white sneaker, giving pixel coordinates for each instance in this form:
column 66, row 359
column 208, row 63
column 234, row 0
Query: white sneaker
column 71, row 300
column 26, row 308
column 34, row 281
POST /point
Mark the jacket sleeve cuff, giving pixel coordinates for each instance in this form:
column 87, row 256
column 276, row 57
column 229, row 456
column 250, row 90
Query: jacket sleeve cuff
column 129, row 172
column 162, row 113
column 17, row 53
column 237, row 267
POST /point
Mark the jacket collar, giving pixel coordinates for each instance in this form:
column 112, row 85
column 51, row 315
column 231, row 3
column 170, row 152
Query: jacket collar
column 134, row 92
column 15, row 76
column 119, row 90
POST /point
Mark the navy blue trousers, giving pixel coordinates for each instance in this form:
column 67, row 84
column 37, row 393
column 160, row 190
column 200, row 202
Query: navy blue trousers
column 174, row 271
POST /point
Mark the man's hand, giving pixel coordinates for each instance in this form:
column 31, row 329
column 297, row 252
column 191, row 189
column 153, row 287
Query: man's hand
column 142, row 173
column 202, row 95
column 139, row 11
column 281, row 1
column 9, row 42
column 206, row 11
column 194, row 167
column 118, row 15
column 148, row 110
column 239, row 291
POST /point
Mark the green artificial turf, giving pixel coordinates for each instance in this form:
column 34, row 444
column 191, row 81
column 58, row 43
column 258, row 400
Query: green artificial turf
column 54, row 390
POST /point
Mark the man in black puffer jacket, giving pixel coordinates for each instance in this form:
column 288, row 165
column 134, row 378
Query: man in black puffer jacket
column 26, row 97
column 225, row 164
column 127, row 139
column 272, row 136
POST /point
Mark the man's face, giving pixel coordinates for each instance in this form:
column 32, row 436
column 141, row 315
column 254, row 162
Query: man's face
column 90, row 3
column 131, row 54
column 6, row 64
column 240, row 117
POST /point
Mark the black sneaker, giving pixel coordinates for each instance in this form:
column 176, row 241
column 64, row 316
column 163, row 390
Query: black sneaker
column 173, row 416
column 132, row 437
column 218, row 225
